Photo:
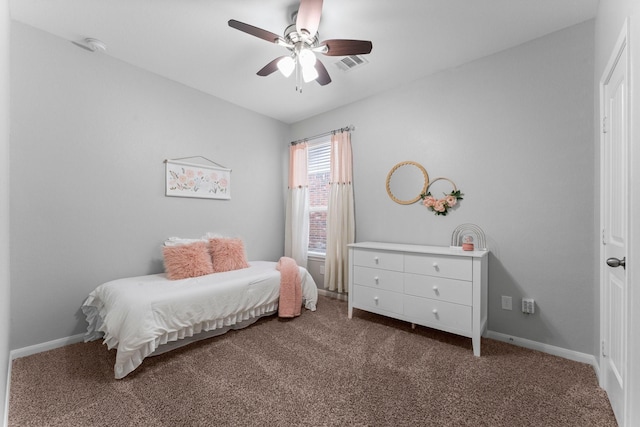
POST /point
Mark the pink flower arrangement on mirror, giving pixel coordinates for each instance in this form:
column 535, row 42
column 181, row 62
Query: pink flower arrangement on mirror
column 441, row 206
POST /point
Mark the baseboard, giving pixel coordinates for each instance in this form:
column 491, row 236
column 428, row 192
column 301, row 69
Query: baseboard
column 5, row 422
column 596, row 368
column 45, row 346
column 333, row 294
column 546, row 348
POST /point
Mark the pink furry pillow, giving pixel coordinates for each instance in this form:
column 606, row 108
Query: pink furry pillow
column 227, row 254
column 184, row 261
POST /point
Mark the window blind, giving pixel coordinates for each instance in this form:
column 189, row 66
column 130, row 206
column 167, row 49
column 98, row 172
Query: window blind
column 319, row 158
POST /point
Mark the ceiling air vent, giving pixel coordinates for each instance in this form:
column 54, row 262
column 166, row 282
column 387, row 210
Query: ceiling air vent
column 348, row 63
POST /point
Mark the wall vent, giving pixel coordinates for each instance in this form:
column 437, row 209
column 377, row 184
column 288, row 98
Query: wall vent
column 348, row 63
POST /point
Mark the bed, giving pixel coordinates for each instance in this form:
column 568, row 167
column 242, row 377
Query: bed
column 148, row 315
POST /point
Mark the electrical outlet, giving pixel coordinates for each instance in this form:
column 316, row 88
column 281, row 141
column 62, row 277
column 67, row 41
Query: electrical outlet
column 528, row 305
column 322, row 269
column 506, row 303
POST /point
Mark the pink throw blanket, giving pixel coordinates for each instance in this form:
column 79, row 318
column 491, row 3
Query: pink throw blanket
column 290, row 288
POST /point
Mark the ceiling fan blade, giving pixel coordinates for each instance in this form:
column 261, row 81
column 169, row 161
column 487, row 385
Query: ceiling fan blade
column 270, row 67
column 308, row 18
column 254, row 31
column 323, row 76
column 339, row 47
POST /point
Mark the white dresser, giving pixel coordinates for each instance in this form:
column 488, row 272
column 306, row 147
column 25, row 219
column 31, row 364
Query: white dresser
column 434, row 286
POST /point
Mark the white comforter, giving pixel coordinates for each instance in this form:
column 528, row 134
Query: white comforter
column 136, row 315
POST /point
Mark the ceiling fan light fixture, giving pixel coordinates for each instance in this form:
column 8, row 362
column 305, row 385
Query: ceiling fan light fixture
column 309, row 74
column 286, row 66
column 307, row 58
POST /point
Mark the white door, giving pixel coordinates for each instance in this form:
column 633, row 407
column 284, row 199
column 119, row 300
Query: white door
column 614, row 209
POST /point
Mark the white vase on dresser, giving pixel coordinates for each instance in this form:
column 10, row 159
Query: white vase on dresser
column 435, row 286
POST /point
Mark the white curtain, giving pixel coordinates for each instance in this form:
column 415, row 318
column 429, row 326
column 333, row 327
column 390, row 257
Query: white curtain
column 340, row 214
column 297, row 216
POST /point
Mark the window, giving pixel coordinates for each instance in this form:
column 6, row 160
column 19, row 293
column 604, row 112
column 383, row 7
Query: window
column 318, row 169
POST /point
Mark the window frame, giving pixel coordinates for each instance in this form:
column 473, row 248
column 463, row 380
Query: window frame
column 325, row 144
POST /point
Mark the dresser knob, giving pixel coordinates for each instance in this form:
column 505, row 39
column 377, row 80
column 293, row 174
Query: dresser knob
column 435, row 266
column 377, row 279
column 435, row 312
column 376, row 259
column 435, row 289
column 375, row 299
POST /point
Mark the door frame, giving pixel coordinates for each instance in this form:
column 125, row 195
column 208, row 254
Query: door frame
column 631, row 374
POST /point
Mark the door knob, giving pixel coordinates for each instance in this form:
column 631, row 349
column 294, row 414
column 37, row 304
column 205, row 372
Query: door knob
column 615, row 262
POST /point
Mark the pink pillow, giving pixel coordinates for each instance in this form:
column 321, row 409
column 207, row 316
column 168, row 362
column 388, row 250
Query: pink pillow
column 227, row 254
column 184, row 261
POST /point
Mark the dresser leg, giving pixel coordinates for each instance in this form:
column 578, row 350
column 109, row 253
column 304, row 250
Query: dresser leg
column 476, row 346
column 413, row 326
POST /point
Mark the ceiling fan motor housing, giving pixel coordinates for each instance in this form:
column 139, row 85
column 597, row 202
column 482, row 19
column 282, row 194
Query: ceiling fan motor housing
column 293, row 37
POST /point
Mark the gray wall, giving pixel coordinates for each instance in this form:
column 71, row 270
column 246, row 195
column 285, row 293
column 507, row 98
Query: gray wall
column 4, row 202
column 514, row 131
column 89, row 136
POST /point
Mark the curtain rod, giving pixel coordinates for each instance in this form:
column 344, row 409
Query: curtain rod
column 344, row 129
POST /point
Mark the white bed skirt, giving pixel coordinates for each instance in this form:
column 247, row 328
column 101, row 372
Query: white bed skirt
column 181, row 342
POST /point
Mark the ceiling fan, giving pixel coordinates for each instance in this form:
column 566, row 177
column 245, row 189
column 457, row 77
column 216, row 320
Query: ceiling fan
column 302, row 40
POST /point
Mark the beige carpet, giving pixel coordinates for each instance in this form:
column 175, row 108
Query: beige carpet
column 320, row 369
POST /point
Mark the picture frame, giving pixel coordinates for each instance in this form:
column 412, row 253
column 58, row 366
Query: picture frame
column 184, row 179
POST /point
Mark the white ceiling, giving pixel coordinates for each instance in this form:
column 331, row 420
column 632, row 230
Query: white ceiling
column 190, row 42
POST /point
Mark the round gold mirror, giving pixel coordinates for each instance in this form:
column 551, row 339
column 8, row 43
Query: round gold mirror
column 406, row 181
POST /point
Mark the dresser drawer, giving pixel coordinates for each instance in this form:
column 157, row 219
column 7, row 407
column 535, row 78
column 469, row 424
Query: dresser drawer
column 378, row 259
column 438, row 288
column 439, row 266
column 377, row 278
column 439, row 314
column 372, row 299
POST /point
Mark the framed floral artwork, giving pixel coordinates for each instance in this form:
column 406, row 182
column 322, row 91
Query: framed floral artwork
column 196, row 180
